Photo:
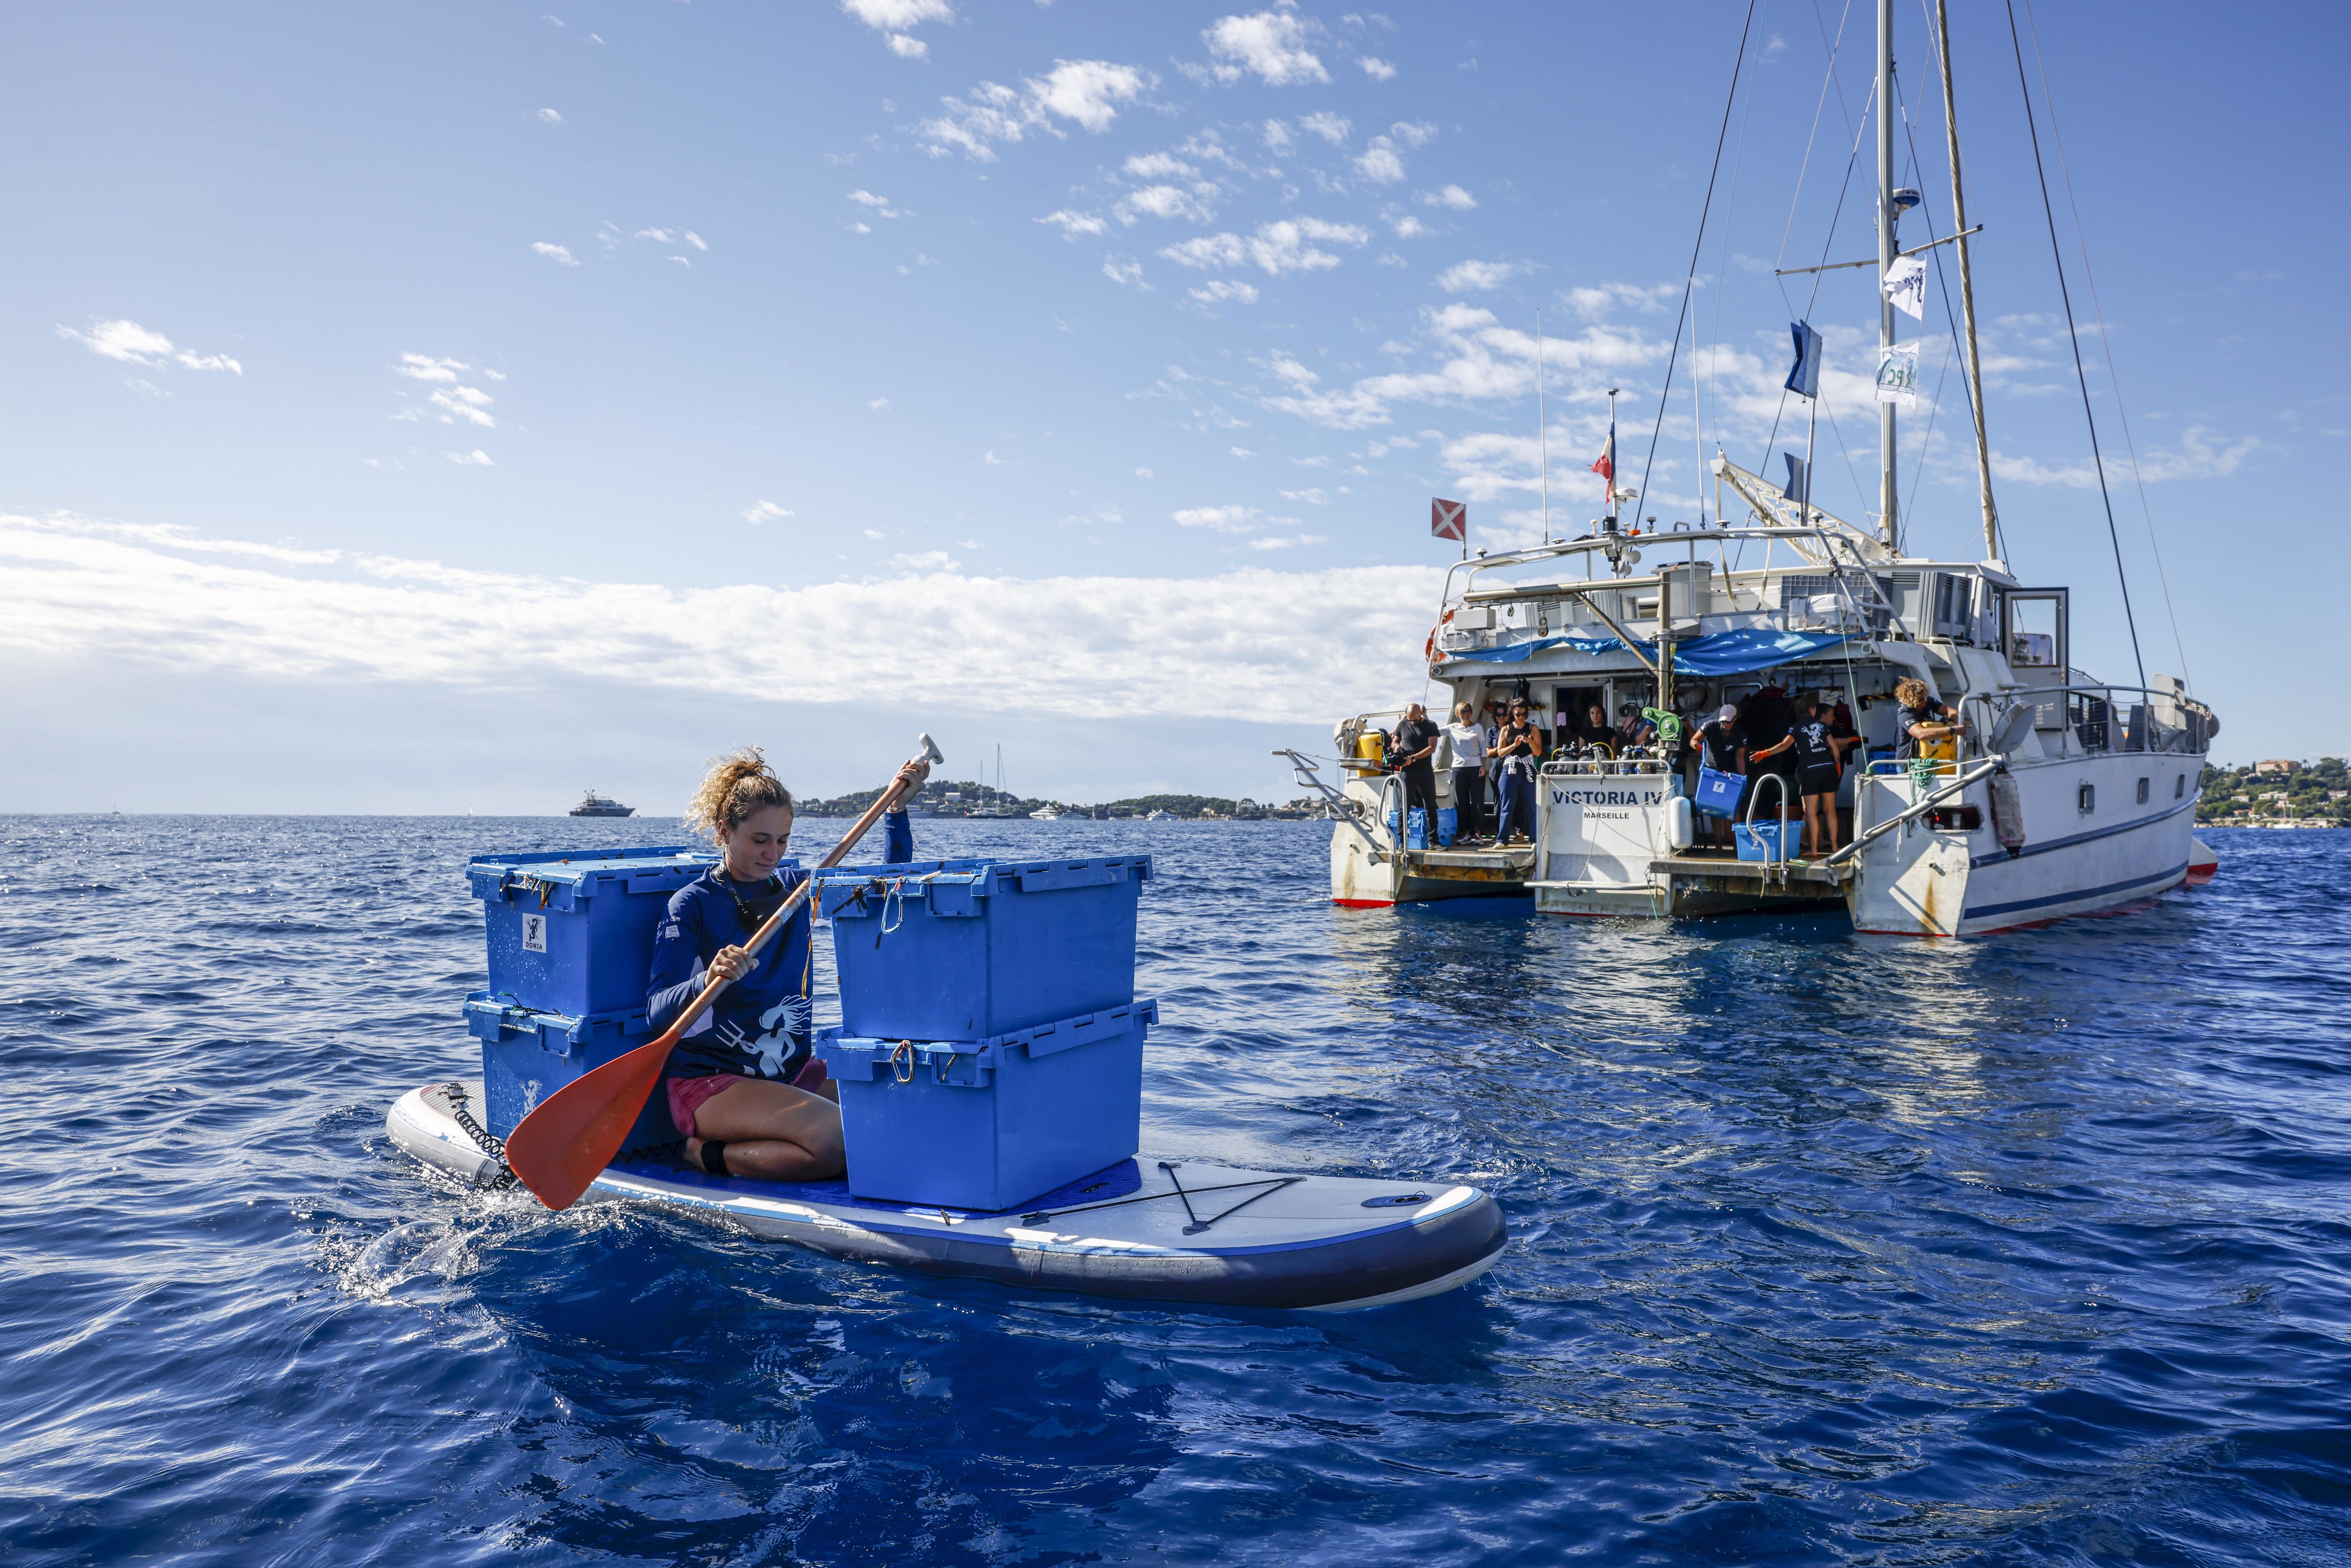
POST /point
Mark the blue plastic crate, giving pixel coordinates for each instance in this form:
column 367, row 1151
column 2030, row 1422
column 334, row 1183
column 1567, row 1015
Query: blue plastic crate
column 1718, row 793
column 572, row 932
column 990, row 1123
column 1767, row 839
column 528, row 1055
column 962, row 950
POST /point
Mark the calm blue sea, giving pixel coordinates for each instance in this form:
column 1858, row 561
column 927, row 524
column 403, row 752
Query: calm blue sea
column 1827, row 1250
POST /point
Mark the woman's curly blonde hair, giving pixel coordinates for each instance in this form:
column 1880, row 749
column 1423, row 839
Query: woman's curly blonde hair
column 1910, row 692
column 737, row 784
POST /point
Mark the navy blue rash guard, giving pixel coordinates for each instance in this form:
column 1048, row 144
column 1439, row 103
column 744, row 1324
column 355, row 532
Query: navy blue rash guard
column 759, row 1026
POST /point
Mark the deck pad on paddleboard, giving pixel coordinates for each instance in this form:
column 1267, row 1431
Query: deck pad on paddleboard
column 1192, row 1232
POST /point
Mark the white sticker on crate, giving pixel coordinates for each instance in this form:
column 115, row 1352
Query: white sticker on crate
column 534, row 933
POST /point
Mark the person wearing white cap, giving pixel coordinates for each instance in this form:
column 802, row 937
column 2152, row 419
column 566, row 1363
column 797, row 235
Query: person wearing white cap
column 1722, row 744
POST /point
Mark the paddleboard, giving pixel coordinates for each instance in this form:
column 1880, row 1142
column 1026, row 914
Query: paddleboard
column 1144, row 1229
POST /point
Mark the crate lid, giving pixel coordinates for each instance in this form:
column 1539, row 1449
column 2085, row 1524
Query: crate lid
column 489, row 1015
column 1039, row 1039
column 860, row 890
column 581, row 874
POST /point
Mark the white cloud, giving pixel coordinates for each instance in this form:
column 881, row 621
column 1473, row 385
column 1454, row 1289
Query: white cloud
column 1467, row 275
column 1379, row 163
column 1316, row 496
column 1072, row 224
column 1271, row 44
column 660, row 236
column 560, row 255
column 1598, row 300
column 1243, row 452
column 424, row 368
column 1479, row 360
column 1377, row 69
column 1159, row 166
column 2200, row 454
column 477, row 458
column 1251, row 645
column 132, row 344
column 1452, row 196
column 1330, row 128
column 1278, row 542
column 1125, row 270
column 878, row 404
column 926, row 561
column 1408, row 227
column 764, row 512
column 897, row 16
column 697, row 241
column 1413, row 133
column 1225, row 291
column 1277, row 249
column 1086, row 91
column 1234, row 519
column 907, row 46
column 468, row 403
column 879, row 206
column 1169, row 201
column 548, row 117
column 1277, row 136
column 683, row 261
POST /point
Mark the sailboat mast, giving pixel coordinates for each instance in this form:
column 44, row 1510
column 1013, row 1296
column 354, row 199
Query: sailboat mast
column 1967, row 288
column 1887, row 491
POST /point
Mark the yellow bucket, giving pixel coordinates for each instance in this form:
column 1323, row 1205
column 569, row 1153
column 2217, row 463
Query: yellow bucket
column 1372, row 746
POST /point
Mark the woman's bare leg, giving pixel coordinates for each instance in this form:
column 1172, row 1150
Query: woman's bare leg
column 772, row 1132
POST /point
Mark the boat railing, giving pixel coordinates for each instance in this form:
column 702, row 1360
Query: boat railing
column 1640, row 761
column 2107, row 718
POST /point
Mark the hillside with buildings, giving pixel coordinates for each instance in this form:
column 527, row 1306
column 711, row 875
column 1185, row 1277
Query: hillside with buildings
column 2277, row 790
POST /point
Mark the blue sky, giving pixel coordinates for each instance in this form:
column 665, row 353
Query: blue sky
column 445, row 407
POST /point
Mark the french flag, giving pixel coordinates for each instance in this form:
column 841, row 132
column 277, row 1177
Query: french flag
column 1605, row 463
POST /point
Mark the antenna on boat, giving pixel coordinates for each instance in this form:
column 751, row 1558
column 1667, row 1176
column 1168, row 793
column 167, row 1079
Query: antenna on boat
column 1542, row 427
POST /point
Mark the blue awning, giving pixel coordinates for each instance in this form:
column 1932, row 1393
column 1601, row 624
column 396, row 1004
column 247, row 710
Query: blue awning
column 1716, row 653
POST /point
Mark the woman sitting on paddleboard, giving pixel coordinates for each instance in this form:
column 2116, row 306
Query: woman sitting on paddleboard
column 743, row 1087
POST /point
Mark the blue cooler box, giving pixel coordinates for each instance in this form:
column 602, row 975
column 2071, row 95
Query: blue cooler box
column 1767, row 839
column 572, row 933
column 990, row 1123
column 966, row 950
column 528, row 1055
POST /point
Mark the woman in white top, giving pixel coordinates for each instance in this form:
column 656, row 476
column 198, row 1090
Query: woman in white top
column 1466, row 737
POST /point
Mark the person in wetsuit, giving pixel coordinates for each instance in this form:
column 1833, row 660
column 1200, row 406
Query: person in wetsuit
column 743, row 1087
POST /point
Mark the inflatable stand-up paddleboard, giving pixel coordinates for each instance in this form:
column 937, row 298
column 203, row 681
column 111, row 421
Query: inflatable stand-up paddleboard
column 1142, row 1229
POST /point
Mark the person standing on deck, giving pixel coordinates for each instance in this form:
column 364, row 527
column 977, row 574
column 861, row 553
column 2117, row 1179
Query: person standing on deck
column 1722, row 746
column 1518, row 747
column 1412, row 746
column 1918, row 717
column 1467, row 738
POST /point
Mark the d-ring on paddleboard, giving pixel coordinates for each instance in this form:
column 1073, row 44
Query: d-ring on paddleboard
column 1143, row 1229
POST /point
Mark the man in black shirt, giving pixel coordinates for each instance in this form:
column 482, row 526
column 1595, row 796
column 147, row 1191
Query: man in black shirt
column 1411, row 750
column 1722, row 744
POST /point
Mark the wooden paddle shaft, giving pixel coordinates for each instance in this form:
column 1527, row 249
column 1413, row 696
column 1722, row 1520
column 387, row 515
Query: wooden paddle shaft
column 774, row 923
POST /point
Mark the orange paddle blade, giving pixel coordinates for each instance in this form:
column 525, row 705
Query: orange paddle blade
column 565, row 1142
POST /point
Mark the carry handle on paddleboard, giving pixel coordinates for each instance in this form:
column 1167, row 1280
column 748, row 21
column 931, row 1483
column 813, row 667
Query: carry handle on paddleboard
column 560, row 1148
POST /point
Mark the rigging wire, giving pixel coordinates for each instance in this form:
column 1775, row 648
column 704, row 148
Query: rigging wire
column 1934, row 409
column 2105, row 342
column 1689, row 281
column 2072, row 334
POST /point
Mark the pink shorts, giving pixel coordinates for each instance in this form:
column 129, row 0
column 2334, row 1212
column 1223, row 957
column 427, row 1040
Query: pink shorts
column 686, row 1095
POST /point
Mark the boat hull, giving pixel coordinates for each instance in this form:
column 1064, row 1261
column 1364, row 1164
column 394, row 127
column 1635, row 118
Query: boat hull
column 2092, row 844
column 1310, row 1243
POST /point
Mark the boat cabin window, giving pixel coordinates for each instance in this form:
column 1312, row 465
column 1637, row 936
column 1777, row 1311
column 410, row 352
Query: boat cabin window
column 2142, row 791
column 2032, row 631
column 2179, row 786
column 2086, row 799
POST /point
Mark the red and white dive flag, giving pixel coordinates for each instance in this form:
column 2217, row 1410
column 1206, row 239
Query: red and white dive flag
column 1449, row 519
column 1605, row 465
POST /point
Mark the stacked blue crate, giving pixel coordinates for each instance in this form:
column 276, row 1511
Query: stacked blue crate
column 990, row 1047
column 570, row 941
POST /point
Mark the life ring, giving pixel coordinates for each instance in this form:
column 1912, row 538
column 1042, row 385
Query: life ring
column 1428, row 653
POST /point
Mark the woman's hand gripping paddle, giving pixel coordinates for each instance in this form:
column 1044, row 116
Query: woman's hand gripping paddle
column 564, row 1145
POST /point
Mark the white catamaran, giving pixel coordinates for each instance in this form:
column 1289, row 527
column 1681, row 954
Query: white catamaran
column 2064, row 795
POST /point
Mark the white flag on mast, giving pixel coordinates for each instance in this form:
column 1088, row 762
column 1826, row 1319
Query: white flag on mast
column 1897, row 373
column 1905, row 285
